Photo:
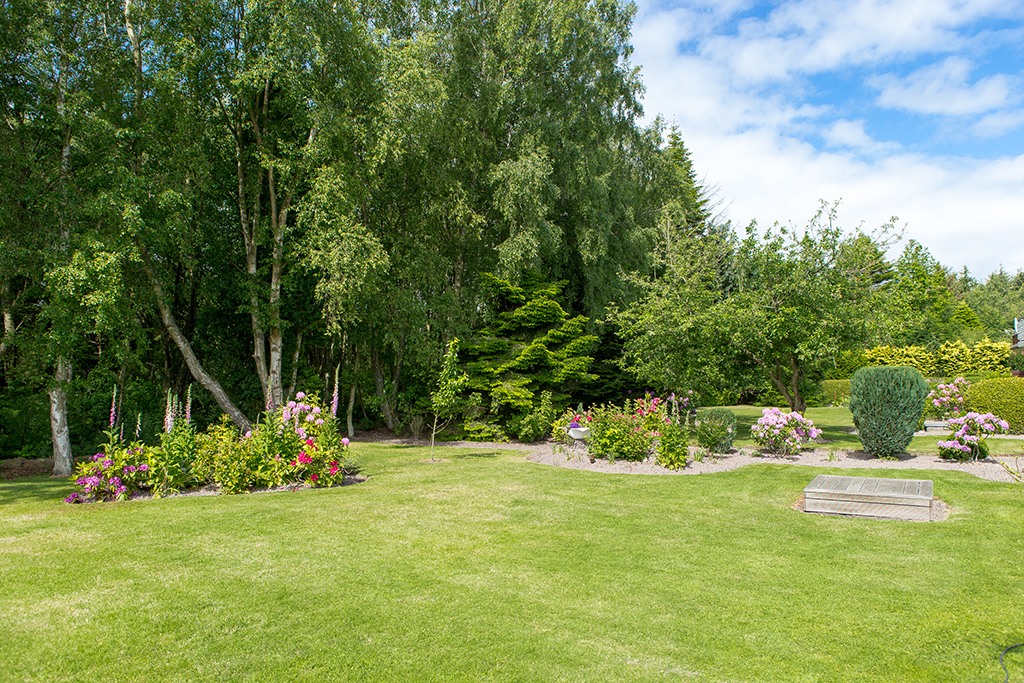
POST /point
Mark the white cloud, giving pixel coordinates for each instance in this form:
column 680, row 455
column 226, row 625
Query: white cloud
column 851, row 134
column 811, row 36
column 943, row 89
column 752, row 142
column 998, row 124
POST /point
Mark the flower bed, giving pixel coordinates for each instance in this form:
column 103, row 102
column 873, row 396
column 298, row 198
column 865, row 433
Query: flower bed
column 298, row 443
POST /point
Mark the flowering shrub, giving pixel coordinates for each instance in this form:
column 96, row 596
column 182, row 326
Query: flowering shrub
column 947, row 400
column 297, row 443
column 968, row 442
column 102, row 478
column 616, row 433
column 782, row 433
column 715, row 429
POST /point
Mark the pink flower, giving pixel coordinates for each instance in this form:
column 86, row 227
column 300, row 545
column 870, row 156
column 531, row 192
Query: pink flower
column 344, row 442
column 300, row 395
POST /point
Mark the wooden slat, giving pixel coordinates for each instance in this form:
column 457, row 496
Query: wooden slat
column 869, row 497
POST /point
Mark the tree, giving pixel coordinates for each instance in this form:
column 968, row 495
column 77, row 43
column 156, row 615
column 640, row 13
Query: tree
column 796, row 300
column 445, row 398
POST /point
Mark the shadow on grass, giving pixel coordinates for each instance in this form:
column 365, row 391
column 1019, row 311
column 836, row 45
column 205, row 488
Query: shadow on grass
column 470, row 454
column 36, row 489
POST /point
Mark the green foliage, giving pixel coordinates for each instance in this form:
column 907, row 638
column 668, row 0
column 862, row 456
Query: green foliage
column 231, row 463
column 836, row 392
column 532, row 348
column 887, row 404
column 671, row 448
column 715, row 429
column 1015, row 361
column 782, row 303
column 170, row 464
column 537, row 424
column 617, row 433
column 1003, row 397
column 951, row 359
column 910, row 356
column 966, row 317
column 475, row 430
column 846, row 363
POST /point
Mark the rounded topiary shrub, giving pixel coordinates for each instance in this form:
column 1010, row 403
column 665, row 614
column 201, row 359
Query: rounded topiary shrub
column 1003, row 397
column 887, row 404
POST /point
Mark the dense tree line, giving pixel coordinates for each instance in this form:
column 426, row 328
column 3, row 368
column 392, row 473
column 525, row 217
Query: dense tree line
column 261, row 196
column 281, row 195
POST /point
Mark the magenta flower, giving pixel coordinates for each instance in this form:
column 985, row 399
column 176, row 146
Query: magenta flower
column 344, row 441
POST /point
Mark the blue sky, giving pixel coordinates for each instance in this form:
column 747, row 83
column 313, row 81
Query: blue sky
column 906, row 108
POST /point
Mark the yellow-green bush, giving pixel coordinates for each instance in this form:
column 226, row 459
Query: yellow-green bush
column 908, row 356
column 1003, row 397
column 990, row 356
column 953, row 359
column 835, row 392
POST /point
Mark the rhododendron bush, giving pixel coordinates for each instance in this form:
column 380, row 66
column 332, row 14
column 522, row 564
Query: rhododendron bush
column 969, row 432
column 783, row 433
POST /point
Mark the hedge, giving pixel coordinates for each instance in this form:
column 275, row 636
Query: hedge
column 952, row 359
column 835, row 392
column 1003, row 397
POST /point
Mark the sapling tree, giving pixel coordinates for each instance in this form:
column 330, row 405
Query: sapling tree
column 445, row 400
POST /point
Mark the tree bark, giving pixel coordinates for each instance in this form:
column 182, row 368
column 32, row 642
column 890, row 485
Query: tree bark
column 63, row 463
column 194, row 366
column 386, row 394
column 352, row 398
column 60, row 433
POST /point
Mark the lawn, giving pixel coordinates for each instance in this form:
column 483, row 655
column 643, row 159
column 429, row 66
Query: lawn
column 490, row 568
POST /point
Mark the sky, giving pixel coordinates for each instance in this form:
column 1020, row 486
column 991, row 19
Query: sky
column 906, row 108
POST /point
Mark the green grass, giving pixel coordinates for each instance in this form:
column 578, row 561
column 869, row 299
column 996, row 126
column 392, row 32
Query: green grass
column 836, row 421
column 490, row 568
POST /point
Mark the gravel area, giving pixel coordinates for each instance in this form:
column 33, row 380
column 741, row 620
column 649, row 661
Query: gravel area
column 553, row 454
column 577, row 458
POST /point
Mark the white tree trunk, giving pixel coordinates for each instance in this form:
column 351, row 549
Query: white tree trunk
column 63, row 463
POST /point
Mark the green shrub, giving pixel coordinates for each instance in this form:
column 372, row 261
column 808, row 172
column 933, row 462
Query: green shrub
column 845, row 364
column 535, row 425
column 230, row 462
column 887, row 404
column 671, row 449
column 835, row 392
column 616, row 434
column 1003, row 397
column 903, row 356
column 475, row 430
column 1015, row 361
column 715, row 429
